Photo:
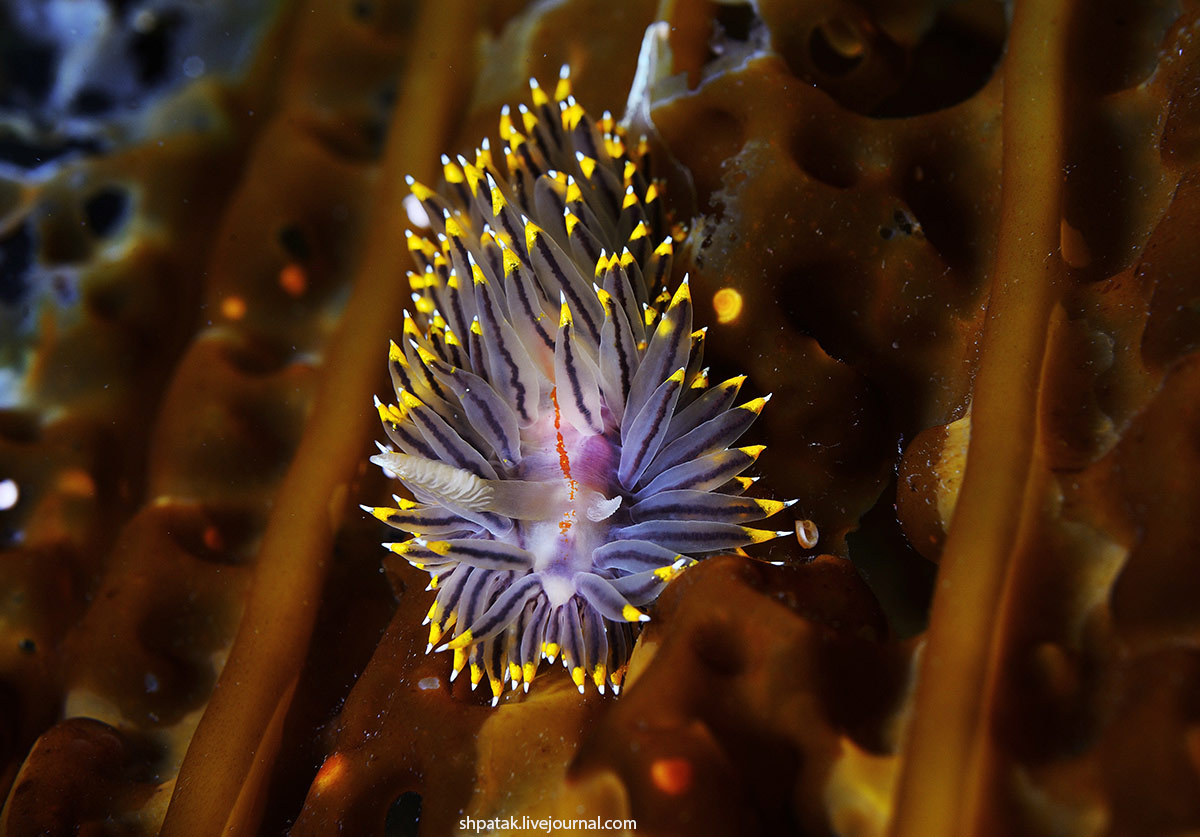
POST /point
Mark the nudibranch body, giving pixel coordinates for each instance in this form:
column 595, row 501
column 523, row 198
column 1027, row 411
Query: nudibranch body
column 565, row 452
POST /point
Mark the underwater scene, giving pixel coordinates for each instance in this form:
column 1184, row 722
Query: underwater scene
column 655, row 417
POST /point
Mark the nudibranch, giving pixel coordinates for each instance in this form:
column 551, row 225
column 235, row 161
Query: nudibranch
column 566, row 454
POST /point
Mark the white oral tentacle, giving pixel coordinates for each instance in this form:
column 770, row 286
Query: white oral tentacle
column 445, row 482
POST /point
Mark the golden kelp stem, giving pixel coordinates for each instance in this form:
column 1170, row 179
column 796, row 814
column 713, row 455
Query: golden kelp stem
column 229, row 762
column 945, row 758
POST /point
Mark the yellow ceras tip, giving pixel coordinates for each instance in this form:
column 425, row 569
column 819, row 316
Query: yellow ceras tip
column 435, row 634
column 476, row 675
column 427, row 357
column 419, row 189
column 436, row 547
column 669, row 572
column 408, row 400
column 537, row 94
column 587, row 165
column 454, row 229
column 511, row 260
column 451, row 171
column 498, row 201
column 532, row 231
column 771, row 507
column 682, row 294
column 755, row 405
column 631, row 614
column 762, row 535
column 570, row 220
column 390, row 412
column 599, row 675
column 578, row 676
column 461, row 641
column 419, row 244
column 563, row 89
column 574, row 194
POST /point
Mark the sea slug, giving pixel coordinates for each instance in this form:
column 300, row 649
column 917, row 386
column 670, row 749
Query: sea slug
column 565, row 450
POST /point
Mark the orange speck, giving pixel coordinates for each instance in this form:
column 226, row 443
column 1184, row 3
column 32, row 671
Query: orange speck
column 213, row 539
column 233, row 307
column 671, row 776
column 728, row 304
column 77, row 482
column 333, row 769
column 293, row 279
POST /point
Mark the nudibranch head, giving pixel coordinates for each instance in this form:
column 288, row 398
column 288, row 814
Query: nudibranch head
column 566, row 454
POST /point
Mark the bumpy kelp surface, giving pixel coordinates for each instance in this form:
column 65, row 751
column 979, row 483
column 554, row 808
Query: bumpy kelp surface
column 955, row 242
